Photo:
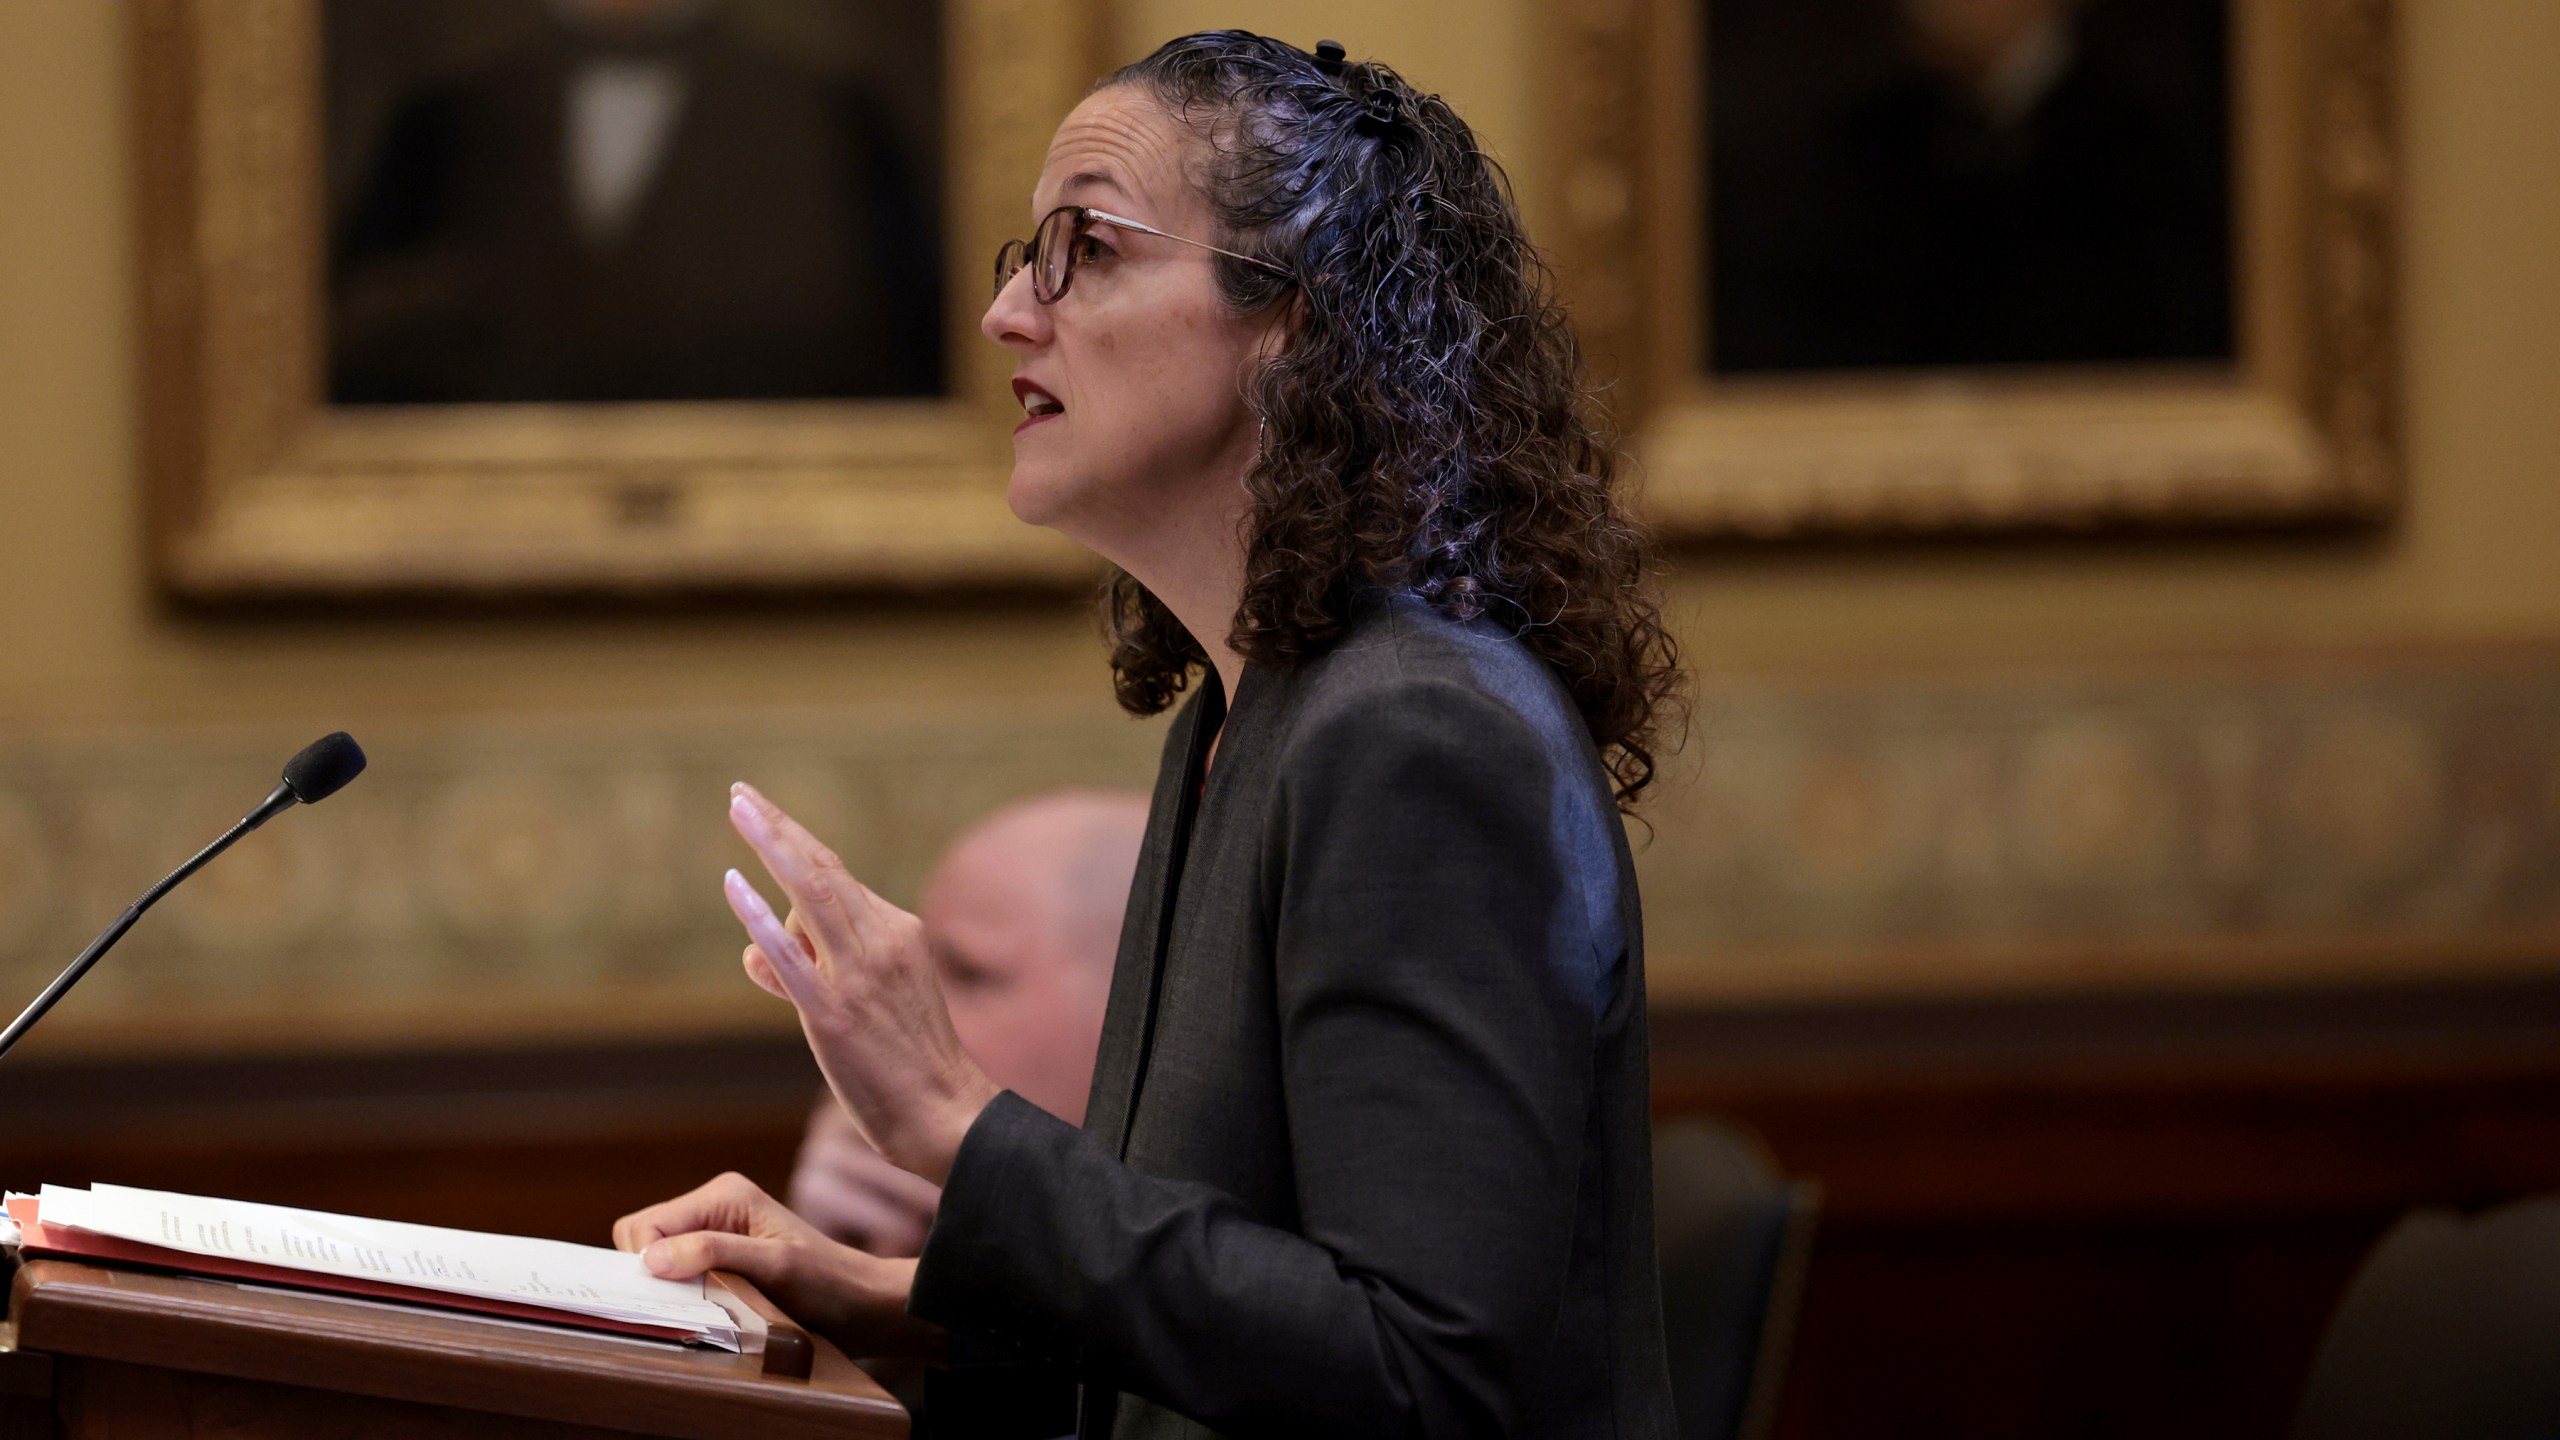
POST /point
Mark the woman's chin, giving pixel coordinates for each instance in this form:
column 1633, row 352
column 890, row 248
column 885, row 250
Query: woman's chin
column 1038, row 493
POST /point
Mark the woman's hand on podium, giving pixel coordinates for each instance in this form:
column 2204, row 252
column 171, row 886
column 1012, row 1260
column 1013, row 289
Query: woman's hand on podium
column 858, row 970
column 856, row 1300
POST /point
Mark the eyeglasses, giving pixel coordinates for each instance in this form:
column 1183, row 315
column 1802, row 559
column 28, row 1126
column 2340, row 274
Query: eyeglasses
column 1058, row 247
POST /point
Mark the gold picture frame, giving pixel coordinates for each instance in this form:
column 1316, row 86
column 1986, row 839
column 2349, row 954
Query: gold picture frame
column 259, row 490
column 2302, row 429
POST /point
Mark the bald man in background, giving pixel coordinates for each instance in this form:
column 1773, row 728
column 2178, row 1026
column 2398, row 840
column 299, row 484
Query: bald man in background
column 1023, row 916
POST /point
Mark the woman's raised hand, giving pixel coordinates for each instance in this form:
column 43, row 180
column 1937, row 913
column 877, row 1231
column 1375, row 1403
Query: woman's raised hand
column 857, row 969
column 858, row 1301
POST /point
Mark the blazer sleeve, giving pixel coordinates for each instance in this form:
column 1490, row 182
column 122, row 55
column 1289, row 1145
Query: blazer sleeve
column 1438, row 986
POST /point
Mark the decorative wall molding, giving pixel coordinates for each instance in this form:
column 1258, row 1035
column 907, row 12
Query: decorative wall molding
column 2191, row 825
column 2227, row 823
column 499, row 880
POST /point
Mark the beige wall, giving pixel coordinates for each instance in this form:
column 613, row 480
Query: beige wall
column 2471, row 559
column 82, row 644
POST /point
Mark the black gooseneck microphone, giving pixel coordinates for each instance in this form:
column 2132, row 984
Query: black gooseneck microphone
column 309, row 778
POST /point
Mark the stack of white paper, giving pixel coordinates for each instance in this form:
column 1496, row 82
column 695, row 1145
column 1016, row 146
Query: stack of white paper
column 580, row 1279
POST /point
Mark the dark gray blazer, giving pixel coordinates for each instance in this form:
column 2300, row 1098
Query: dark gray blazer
column 1368, row 1150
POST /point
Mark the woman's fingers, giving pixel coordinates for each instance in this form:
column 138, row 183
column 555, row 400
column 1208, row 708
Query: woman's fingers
column 731, row 1202
column 787, row 961
column 637, row 1230
column 810, row 874
column 760, row 970
column 765, row 1263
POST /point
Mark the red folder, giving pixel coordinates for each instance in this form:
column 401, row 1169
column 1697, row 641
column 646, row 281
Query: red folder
column 37, row 1238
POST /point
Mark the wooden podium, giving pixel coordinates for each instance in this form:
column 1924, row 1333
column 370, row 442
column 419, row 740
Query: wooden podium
column 88, row 1351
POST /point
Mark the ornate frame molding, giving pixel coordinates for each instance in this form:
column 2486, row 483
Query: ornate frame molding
column 259, row 490
column 2307, row 429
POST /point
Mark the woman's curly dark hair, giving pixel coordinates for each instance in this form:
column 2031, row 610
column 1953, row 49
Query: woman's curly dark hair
column 1427, row 422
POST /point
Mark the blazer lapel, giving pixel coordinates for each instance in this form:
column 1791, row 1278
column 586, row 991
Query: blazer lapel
column 1129, row 1019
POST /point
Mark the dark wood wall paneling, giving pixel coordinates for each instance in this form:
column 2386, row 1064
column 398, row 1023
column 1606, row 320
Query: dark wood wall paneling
column 2115, row 1217
column 556, row 1142
column 2073, row 1217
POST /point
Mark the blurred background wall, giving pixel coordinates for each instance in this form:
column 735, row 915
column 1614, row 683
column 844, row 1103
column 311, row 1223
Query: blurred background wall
column 2039, row 1165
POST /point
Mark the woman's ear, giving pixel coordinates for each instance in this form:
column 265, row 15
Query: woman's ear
column 1281, row 325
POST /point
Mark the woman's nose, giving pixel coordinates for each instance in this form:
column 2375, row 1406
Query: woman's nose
column 1016, row 317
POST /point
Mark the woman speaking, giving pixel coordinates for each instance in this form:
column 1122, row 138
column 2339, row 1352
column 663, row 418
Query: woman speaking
column 1367, row 1150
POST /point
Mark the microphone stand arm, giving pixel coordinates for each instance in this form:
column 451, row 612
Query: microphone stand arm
column 267, row 810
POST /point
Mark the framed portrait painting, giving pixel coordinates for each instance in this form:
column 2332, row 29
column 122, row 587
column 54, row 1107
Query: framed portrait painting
column 1894, row 266
column 585, row 295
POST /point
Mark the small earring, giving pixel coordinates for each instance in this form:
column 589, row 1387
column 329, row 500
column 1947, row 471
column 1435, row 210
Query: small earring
column 1261, row 438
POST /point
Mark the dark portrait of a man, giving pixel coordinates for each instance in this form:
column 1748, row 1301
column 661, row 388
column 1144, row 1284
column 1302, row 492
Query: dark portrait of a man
column 631, row 200
column 1901, row 183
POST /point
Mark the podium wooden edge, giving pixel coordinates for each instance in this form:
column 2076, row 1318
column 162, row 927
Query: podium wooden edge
column 72, row 1311
column 788, row 1353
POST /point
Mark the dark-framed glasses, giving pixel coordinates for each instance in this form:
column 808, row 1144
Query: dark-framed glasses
column 1056, row 248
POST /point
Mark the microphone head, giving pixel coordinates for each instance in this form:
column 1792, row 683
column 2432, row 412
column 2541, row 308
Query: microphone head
column 324, row 765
